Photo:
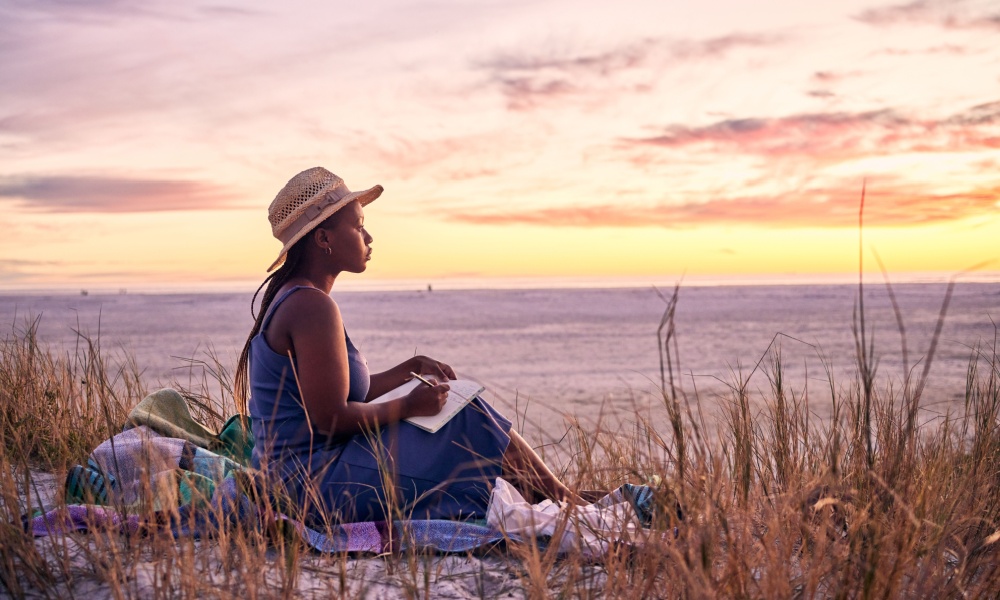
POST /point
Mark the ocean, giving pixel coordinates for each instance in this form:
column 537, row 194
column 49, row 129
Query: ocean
column 551, row 356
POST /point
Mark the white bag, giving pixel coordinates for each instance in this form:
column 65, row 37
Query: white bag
column 590, row 528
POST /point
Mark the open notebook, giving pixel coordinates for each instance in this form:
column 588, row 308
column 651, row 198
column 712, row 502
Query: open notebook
column 461, row 392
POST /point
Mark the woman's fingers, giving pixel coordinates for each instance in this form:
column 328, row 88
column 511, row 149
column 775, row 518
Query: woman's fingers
column 442, row 389
column 429, row 366
column 443, row 371
column 428, row 400
column 448, row 371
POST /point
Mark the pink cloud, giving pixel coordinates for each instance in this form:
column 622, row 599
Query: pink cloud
column 528, row 81
column 112, row 194
column 446, row 159
column 950, row 14
column 837, row 136
column 942, row 49
column 830, row 77
column 526, row 93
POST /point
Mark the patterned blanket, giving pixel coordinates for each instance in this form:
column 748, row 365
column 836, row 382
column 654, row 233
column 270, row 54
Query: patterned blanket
column 166, row 471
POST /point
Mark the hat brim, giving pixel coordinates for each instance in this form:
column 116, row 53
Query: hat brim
column 366, row 197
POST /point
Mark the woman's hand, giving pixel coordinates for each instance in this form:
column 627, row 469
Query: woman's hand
column 423, row 365
column 425, row 400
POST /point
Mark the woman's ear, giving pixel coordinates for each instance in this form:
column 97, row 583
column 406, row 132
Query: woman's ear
column 322, row 237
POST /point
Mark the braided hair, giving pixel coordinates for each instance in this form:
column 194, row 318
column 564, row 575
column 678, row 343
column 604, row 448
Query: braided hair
column 274, row 281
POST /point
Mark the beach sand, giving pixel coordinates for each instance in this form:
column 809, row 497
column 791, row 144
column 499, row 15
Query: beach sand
column 497, row 574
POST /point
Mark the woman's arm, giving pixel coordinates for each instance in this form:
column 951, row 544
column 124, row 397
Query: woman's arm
column 310, row 327
column 398, row 375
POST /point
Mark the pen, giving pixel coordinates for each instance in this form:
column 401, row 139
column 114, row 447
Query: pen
column 422, row 379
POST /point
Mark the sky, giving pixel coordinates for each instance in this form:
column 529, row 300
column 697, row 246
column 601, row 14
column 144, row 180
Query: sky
column 141, row 142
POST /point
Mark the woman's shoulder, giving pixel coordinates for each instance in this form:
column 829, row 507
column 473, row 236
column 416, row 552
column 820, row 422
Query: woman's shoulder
column 308, row 298
column 301, row 293
column 304, row 305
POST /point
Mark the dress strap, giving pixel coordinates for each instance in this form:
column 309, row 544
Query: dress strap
column 281, row 298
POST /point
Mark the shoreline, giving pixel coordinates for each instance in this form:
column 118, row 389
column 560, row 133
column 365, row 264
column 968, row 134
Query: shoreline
column 514, row 284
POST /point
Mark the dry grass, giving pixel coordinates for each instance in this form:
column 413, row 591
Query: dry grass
column 866, row 504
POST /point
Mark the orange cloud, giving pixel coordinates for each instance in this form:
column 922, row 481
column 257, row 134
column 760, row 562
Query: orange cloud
column 896, row 205
column 112, row 194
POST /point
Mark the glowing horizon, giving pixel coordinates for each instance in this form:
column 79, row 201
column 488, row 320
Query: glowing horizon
column 140, row 147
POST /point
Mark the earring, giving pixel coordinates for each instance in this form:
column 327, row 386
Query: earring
column 328, row 251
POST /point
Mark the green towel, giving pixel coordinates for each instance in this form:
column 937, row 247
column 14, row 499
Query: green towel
column 166, row 412
column 236, row 440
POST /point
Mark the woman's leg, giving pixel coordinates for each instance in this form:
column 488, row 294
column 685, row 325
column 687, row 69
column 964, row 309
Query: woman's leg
column 523, row 466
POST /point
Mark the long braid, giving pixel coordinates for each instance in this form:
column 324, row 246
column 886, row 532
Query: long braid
column 274, row 282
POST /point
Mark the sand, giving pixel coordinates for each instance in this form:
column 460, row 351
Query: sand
column 497, row 574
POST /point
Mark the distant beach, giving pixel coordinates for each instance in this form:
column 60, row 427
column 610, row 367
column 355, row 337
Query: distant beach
column 576, row 353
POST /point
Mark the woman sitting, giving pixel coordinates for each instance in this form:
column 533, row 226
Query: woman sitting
column 337, row 456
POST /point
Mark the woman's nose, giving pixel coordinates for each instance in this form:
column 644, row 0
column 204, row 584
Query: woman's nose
column 368, row 237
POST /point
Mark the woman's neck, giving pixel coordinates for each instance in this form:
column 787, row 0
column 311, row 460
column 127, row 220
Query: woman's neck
column 317, row 278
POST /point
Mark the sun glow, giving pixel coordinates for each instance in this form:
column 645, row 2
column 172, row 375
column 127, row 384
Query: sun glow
column 550, row 140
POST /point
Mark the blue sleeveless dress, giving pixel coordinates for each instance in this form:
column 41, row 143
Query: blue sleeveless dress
column 400, row 471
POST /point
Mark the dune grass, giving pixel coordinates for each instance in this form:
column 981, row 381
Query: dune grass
column 776, row 503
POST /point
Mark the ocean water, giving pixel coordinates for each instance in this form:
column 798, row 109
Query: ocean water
column 551, row 356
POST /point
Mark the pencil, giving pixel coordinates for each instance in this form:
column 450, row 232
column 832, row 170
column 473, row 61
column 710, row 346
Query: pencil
column 422, row 379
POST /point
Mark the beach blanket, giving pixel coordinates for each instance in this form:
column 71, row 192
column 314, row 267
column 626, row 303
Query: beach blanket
column 166, row 471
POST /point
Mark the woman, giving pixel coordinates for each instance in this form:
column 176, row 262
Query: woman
column 336, row 455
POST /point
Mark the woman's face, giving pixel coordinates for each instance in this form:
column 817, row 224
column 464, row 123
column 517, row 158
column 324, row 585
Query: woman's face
column 350, row 243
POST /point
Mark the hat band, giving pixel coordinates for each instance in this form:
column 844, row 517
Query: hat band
column 313, row 211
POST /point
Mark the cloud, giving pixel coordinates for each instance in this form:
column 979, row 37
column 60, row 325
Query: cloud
column 526, row 93
column 231, row 11
column 815, row 134
column 443, row 159
column 830, row 77
column 894, row 205
column 88, row 11
column 952, row 49
column 950, row 14
column 43, row 273
column 14, row 264
column 529, row 80
column 836, row 136
column 718, row 47
column 83, row 194
column 603, row 63
column 982, row 114
column 627, row 56
column 14, row 270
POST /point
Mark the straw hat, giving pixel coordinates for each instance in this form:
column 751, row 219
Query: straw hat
column 306, row 201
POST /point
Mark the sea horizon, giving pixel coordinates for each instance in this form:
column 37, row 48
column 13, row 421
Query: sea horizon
column 352, row 283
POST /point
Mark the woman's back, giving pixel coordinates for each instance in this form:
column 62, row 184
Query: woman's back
column 280, row 422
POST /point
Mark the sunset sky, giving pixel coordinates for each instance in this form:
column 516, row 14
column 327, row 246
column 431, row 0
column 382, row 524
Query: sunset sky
column 141, row 142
